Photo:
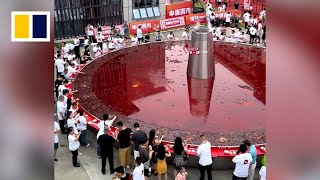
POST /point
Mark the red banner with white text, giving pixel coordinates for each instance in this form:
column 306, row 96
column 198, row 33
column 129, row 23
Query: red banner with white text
column 178, row 9
column 146, row 26
column 106, row 30
column 172, row 23
column 192, row 19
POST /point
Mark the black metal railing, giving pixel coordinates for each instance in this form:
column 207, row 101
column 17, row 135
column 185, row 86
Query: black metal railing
column 72, row 16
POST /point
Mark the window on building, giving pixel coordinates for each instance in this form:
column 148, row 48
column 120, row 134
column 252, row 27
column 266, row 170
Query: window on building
column 145, row 8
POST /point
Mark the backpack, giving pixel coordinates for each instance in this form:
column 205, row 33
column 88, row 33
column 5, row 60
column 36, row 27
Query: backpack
column 179, row 161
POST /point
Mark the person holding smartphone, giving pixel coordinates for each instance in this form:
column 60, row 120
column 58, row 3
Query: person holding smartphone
column 242, row 161
column 74, row 145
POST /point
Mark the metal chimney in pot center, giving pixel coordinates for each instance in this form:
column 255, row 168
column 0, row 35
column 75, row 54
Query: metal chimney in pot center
column 201, row 60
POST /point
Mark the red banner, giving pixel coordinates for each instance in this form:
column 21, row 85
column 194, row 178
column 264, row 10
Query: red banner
column 222, row 14
column 178, row 9
column 172, row 23
column 146, row 26
column 246, row 4
column 192, row 19
column 106, row 30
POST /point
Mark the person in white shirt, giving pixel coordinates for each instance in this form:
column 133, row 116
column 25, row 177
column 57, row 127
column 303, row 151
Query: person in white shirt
column 218, row 31
column 62, row 87
column 89, row 30
column 251, row 8
column 158, row 36
column 72, row 70
column 104, row 123
column 138, row 172
column 246, row 18
column 205, row 158
column 208, row 12
column 65, row 92
column 111, row 45
column 139, row 35
column 117, row 41
column 71, row 56
column 121, row 42
column 251, row 21
column 253, row 32
column 82, row 126
column 60, row 63
column 74, row 145
column 105, row 47
column 170, row 36
column 185, row 34
column 263, row 15
column 214, row 35
column 74, row 108
column 100, row 39
column 95, row 48
column 212, row 18
column 242, row 38
column 61, row 110
column 255, row 20
column 259, row 32
column 65, row 50
column 224, row 7
column 263, row 173
column 86, row 41
column 208, row 6
column 134, row 40
column 242, row 161
column 228, row 19
column 56, row 139
column 76, row 42
column 72, row 122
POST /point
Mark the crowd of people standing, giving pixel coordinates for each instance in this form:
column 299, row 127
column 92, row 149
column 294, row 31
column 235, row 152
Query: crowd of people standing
column 149, row 153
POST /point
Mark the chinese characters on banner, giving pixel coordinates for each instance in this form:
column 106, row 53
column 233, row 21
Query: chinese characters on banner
column 246, row 4
column 178, row 9
column 192, row 19
column 106, row 30
column 172, row 23
column 146, row 26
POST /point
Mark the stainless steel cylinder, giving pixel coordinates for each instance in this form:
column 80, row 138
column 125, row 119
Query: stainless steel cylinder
column 201, row 66
column 200, row 91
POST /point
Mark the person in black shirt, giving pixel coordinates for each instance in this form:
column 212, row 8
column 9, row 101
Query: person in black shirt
column 137, row 137
column 187, row 26
column 236, row 5
column 86, row 55
column 124, row 145
column 57, row 83
column 99, row 29
column 147, row 38
column 120, row 174
column 145, row 153
column 106, row 145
